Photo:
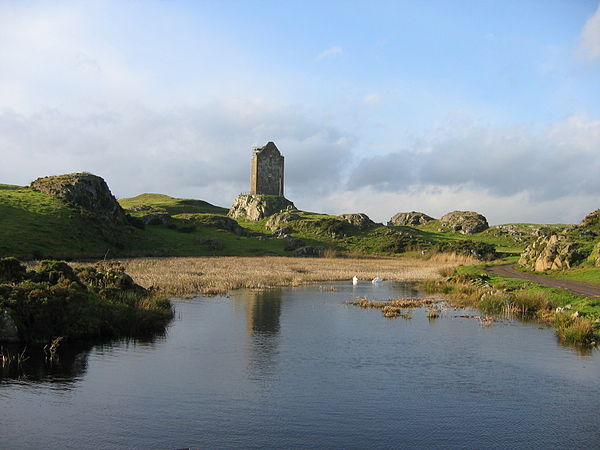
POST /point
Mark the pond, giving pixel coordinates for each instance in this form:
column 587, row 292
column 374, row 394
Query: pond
column 299, row 367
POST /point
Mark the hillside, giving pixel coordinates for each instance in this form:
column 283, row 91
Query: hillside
column 65, row 221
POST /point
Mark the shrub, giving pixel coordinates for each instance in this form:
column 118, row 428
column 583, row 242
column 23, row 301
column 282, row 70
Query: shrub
column 11, row 270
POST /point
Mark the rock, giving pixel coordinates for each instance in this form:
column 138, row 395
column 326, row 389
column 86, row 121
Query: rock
column 212, row 243
column 552, row 252
column 156, row 219
column 309, row 251
column 478, row 250
column 592, row 220
column 464, row 222
column 280, row 220
column 256, row 207
column 409, row 219
column 359, row 220
column 89, row 192
column 8, row 329
column 596, row 254
column 293, row 243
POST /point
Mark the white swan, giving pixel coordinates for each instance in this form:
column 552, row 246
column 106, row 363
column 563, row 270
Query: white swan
column 376, row 280
column 355, row 280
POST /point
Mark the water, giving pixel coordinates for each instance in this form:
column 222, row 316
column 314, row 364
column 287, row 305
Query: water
column 292, row 368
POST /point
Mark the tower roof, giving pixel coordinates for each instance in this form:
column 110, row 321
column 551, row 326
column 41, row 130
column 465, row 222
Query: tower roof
column 269, row 148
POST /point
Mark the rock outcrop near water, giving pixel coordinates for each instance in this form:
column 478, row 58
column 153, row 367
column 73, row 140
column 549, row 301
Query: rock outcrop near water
column 359, row 220
column 256, row 207
column 409, row 219
column 464, row 222
column 89, row 192
column 552, row 252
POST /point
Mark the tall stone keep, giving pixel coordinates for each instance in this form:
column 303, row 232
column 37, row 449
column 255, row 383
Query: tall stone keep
column 266, row 177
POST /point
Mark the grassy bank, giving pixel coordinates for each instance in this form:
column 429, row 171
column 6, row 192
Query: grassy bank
column 217, row 275
column 576, row 318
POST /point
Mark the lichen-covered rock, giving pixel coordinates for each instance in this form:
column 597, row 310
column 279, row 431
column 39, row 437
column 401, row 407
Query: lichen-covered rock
column 552, row 252
column 281, row 220
column 409, row 219
column 464, row 222
column 596, row 255
column 214, row 221
column 89, row 192
column 257, row 207
column 359, row 220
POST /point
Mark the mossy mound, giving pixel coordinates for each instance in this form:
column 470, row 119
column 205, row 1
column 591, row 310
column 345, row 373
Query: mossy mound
column 85, row 303
column 87, row 191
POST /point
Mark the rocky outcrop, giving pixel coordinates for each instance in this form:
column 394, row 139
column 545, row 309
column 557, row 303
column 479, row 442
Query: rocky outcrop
column 156, row 219
column 592, row 220
column 89, row 192
column 257, row 207
column 552, row 252
column 409, row 219
column 359, row 220
column 282, row 219
column 464, row 222
column 596, row 254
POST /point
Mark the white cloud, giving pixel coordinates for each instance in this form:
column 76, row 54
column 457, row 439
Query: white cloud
column 589, row 45
column 371, row 99
column 330, row 52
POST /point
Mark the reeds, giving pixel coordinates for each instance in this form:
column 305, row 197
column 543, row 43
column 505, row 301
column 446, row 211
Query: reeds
column 7, row 359
column 395, row 307
column 218, row 275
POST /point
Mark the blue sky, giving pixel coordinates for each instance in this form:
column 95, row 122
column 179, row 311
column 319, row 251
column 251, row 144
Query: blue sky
column 379, row 107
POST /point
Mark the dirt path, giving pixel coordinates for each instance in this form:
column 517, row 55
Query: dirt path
column 508, row 270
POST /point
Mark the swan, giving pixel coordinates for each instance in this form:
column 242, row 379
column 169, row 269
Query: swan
column 376, row 280
column 355, row 280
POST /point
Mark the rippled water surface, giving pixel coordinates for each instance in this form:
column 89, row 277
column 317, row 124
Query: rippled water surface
column 301, row 368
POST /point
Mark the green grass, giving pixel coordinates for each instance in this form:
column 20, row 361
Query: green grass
column 583, row 274
column 159, row 203
column 35, row 224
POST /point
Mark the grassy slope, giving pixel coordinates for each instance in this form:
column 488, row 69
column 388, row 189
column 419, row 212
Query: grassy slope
column 156, row 203
column 33, row 223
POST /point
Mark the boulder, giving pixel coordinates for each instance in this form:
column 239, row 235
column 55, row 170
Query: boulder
column 464, row 222
column 309, row 251
column 552, row 252
column 292, row 243
column 89, row 192
column 359, row 220
column 256, row 207
column 409, row 219
column 280, row 220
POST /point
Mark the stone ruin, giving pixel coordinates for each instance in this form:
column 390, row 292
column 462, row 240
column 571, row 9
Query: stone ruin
column 266, row 176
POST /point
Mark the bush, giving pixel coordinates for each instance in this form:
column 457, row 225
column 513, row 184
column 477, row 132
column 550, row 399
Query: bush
column 91, row 302
column 479, row 250
column 11, row 270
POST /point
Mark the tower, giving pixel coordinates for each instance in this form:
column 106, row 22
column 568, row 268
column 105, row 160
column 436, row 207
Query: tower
column 266, row 176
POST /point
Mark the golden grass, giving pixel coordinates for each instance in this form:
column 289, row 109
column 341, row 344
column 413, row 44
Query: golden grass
column 218, row 275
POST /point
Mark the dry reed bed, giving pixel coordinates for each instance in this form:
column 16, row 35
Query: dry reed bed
column 218, row 275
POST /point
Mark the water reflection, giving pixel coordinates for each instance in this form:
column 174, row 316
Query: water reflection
column 263, row 313
column 32, row 364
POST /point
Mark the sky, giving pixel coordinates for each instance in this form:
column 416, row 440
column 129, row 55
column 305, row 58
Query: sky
column 378, row 106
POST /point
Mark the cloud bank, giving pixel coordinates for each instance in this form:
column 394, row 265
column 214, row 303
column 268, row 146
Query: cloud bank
column 589, row 45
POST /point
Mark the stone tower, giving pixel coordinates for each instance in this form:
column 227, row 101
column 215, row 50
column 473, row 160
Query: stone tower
column 266, row 177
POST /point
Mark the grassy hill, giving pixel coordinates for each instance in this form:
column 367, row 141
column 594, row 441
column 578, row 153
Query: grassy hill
column 38, row 225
